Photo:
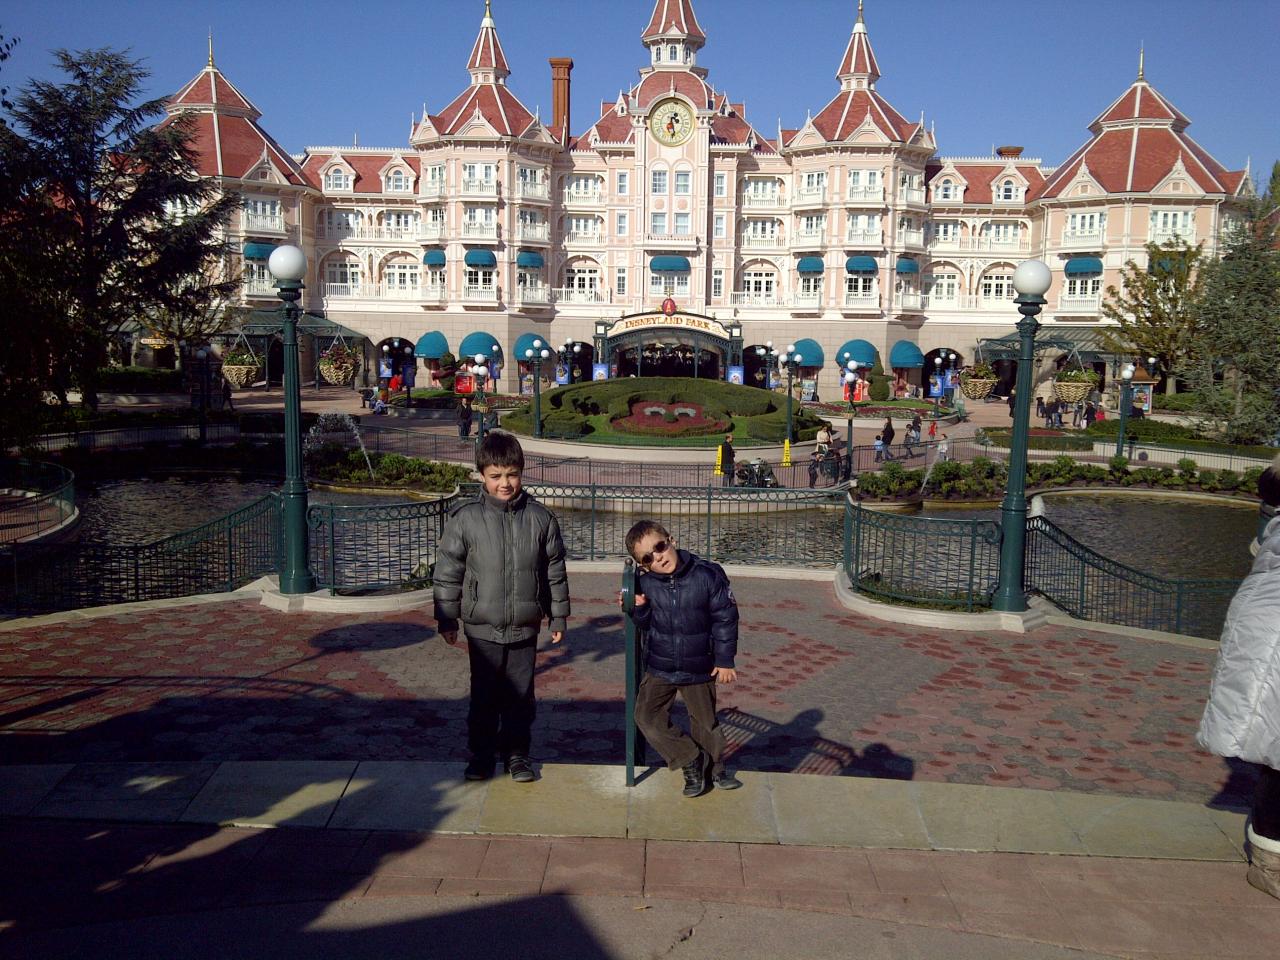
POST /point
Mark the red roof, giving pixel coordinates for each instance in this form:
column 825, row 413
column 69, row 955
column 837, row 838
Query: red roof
column 839, row 118
column 367, row 166
column 210, row 88
column 1137, row 142
column 662, row 83
column 496, row 104
column 487, row 52
column 859, row 58
column 673, row 18
column 980, row 179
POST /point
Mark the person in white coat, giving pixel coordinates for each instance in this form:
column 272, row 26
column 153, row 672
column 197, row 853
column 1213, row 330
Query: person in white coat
column 1242, row 717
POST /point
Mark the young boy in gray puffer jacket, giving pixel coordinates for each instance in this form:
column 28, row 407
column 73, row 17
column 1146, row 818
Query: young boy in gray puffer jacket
column 500, row 570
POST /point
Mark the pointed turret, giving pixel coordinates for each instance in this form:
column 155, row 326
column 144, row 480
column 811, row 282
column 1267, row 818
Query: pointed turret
column 859, row 70
column 488, row 64
column 674, row 20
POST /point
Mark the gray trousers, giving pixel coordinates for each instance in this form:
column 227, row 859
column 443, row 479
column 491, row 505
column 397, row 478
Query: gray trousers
column 653, row 717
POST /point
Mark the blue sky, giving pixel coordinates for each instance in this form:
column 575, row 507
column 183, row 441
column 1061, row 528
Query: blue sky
column 1028, row 72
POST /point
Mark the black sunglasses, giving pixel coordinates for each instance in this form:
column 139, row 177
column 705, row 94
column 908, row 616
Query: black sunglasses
column 659, row 548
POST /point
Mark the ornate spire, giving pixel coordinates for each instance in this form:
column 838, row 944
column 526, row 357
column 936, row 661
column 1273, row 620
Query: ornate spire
column 211, row 46
column 674, row 20
column 859, row 69
column 488, row 64
column 1142, row 57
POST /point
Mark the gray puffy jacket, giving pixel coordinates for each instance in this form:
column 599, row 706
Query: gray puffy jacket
column 500, row 570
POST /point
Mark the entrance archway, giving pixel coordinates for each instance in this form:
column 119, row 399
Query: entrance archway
column 671, row 344
column 395, row 355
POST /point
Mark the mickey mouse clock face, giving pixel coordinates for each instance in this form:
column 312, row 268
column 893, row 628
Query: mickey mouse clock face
column 671, row 122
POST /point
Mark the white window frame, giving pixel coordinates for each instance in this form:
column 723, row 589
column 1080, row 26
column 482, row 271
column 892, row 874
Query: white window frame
column 942, row 286
column 622, row 183
column 859, row 284
column 620, row 281
column 997, row 286
column 683, row 183
column 620, row 224
column 658, row 182
column 1081, row 287
column 681, row 224
column 658, row 223
column 720, row 226
column 721, row 184
column 398, row 181
column 338, row 180
column 717, row 283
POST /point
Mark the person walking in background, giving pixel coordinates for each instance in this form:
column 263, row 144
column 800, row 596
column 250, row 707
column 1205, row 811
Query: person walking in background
column 226, row 395
column 1013, row 402
column 464, row 417
column 1040, row 412
column 726, row 461
column 879, row 447
column 1090, row 414
column 887, row 433
column 1242, row 717
column 933, row 430
column 944, row 448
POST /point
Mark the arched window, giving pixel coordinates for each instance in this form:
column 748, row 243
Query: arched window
column 337, row 179
column 398, row 182
column 1007, row 191
column 945, row 189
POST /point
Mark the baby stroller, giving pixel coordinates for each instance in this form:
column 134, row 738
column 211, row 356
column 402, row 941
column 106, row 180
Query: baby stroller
column 756, row 473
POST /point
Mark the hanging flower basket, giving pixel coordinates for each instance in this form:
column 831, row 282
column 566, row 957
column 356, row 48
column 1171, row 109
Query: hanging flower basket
column 977, row 389
column 1072, row 386
column 336, row 372
column 241, row 375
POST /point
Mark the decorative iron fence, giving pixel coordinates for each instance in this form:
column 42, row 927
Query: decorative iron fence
column 953, row 564
column 216, row 557
column 1090, row 586
column 120, row 438
column 34, row 498
column 379, row 547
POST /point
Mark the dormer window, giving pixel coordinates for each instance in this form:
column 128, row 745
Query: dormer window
column 1008, row 190
column 398, row 182
column 673, row 53
column 946, row 190
column 337, row 179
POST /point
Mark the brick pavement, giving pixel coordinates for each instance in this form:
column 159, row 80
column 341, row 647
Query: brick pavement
column 821, row 691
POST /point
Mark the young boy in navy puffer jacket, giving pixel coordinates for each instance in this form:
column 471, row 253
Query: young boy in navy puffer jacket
column 686, row 608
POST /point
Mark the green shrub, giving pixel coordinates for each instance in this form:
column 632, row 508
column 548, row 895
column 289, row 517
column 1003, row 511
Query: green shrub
column 879, row 383
column 1209, row 480
column 1249, row 482
column 1142, row 428
column 1229, row 480
column 1188, row 469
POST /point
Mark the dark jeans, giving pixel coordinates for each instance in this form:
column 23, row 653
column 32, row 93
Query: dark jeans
column 464, row 428
column 653, row 717
column 1265, row 818
column 500, row 716
column 727, row 479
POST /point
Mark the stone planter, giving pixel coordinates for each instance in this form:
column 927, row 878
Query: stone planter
column 337, row 374
column 240, row 376
column 1071, row 391
column 976, row 389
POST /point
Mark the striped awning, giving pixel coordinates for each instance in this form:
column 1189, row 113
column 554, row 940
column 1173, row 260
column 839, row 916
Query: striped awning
column 258, row 251
column 431, row 346
column 481, row 259
column 810, row 265
column 907, row 265
column 862, row 264
column 905, row 354
column 433, row 258
column 530, row 260
column 669, row 263
column 1083, row 267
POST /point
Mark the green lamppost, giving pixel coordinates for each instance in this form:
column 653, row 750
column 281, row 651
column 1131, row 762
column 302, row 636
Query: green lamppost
column 1031, row 279
column 1126, row 401
column 288, row 265
column 535, row 357
column 850, row 378
column 793, row 361
column 481, row 373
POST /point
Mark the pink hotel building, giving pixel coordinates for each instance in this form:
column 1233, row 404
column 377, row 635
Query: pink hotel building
column 850, row 236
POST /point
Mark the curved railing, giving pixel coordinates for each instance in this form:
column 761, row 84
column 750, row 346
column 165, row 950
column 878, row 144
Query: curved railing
column 948, row 564
column 35, row 498
column 375, row 547
column 1090, row 586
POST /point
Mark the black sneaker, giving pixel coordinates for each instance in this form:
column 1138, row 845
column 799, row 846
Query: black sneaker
column 723, row 780
column 695, row 776
column 478, row 768
column 520, row 768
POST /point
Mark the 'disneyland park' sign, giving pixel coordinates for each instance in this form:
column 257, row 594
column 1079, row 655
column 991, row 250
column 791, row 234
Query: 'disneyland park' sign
column 679, row 321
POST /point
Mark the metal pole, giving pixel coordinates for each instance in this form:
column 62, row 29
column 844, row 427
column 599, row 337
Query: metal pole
column 633, row 739
column 848, row 442
column 295, row 575
column 1010, row 595
column 537, row 397
column 790, row 376
column 1126, row 401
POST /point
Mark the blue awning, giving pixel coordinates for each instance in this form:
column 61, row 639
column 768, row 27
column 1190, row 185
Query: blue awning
column 258, row 251
column 809, row 350
column 1083, row 266
column 907, row 265
column 905, row 354
column 480, row 258
column 433, row 258
column 810, row 265
column 858, row 350
column 529, row 259
column 479, row 343
column 431, row 346
column 861, row 265
column 669, row 264
column 525, row 342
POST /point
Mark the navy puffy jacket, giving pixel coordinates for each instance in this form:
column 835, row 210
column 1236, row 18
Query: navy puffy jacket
column 690, row 620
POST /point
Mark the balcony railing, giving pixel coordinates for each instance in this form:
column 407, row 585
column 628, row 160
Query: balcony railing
column 912, row 195
column 909, row 301
column 862, row 194
column 864, row 238
column 533, row 232
column 480, row 231
column 410, row 232
column 532, row 293
column 431, row 189
column 479, row 294
column 671, row 241
column 810, row 196
column 1094, row 236
column 741, row 299
column 806, row 300
column 862, row 301
column 263, row 223
column 810, row 237
column 479, row 188
column 343, row 291
column 434, row 293
column 431, row 231
column 574, row 198
column 576, row 295
column 399, row 291
column 259, row 288
column 1159, row 235
column 1087, row 304
column 911, row 238
column 756, row 201
column 582, row 236
column 527, row 190
column 980, row 243
column 757, row 241
column 958, row 301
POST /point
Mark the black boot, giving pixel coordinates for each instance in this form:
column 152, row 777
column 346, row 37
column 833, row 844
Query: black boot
column 695, row 776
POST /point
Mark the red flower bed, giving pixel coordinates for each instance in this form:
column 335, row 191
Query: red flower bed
column 678, row 419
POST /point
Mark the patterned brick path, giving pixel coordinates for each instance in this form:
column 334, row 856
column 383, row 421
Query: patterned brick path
column 820, row 691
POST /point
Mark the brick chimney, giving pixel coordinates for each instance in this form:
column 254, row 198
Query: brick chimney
column 561, row 67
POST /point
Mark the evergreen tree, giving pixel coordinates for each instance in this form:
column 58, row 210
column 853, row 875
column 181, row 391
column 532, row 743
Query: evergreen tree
column 1155, row 306
column 1238, row 330
column 110, row 204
